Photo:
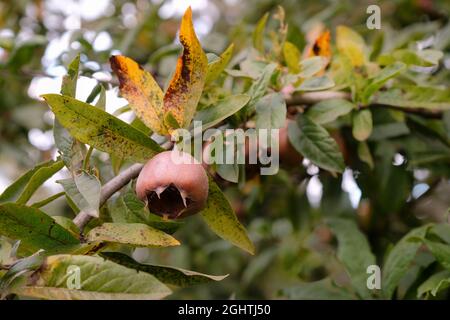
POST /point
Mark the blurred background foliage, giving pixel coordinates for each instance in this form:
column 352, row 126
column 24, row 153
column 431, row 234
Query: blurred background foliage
column 284, row 213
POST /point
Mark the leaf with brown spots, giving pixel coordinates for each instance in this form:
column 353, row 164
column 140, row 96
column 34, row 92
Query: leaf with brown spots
column 135, row 234
column 186, row 86
column 221, row 219
column 142, row 92
column 35, row 229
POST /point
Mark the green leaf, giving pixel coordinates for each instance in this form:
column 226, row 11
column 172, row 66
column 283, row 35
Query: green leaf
column 71, row 151
column 378, row 81
column 440, row 251
column 329, row 110
column 101, row 130
column 100, row 280
column 135, row 234
column 258, row 33
column 34, row 228
column 316, row 84
column 442, row 230
column 362, row 124
column 101, row 102
column 129, row 209
column 84, row 190
column 221, row 110
column 415, row 97
column 37, row 179
column 259, row 87
column 437, row 282
column 318, row 290
column 216, row 67
column 365, row 155
column 399, row 260
column 271, row 111
column 69, row 82
column 12, row 192
column 311, row 66
column 221, row 219
column 292, row 57
column 354, row 252
column 316, row 144
column 168, row 275
column 420, row 58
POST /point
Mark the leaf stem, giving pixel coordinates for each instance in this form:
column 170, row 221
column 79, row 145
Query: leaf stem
column 44, row 202
column 87, row 158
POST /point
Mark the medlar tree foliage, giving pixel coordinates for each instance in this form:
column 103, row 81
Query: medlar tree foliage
column 342, row 105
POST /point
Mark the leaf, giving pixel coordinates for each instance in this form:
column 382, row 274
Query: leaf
column 13, row 191
column 271, row 111
column 311, row 66
column 365, row 155
column 258, row 33
column 399, row 260
column 135, row 234
column 442, row 230
column 37, row 179
column 168, row 275
column 143, row 93
column 220, row 218
column 71, row 151
column 292, row 57
column 129, row 209
column 352, row 45
column 316, row 84
column 377, row 82
column 100, row 280
column 415, row 97
column 34, row 228
column 420, row 58
column 354, row 252
column 101, row 130
column 186, row 86
column 221, row 110
column 329, row 110
column 316, row 144
column 362, row 124
column 216, row 67
column 317, row 290
column 440, row 251
column 437, row 282
column 259, row 87
column 69, row 81
column 84, row 190
column 101, row 102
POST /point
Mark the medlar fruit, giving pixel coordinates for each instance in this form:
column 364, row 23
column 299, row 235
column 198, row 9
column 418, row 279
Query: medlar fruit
column 173, row 185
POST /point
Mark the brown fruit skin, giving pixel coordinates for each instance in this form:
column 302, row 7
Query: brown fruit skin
column 289, row 156
column 173, row 180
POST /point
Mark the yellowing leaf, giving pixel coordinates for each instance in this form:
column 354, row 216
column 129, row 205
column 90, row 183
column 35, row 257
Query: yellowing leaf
column 186, row 86
column 292, row 57
column 142, row 92
column 352, row 45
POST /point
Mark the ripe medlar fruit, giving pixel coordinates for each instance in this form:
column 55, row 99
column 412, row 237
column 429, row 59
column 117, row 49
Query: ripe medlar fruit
column 173, row 185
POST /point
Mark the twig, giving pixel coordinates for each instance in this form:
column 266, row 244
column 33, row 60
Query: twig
column 108, row 189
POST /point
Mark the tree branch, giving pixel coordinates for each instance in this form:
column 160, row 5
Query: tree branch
column 108, row 189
